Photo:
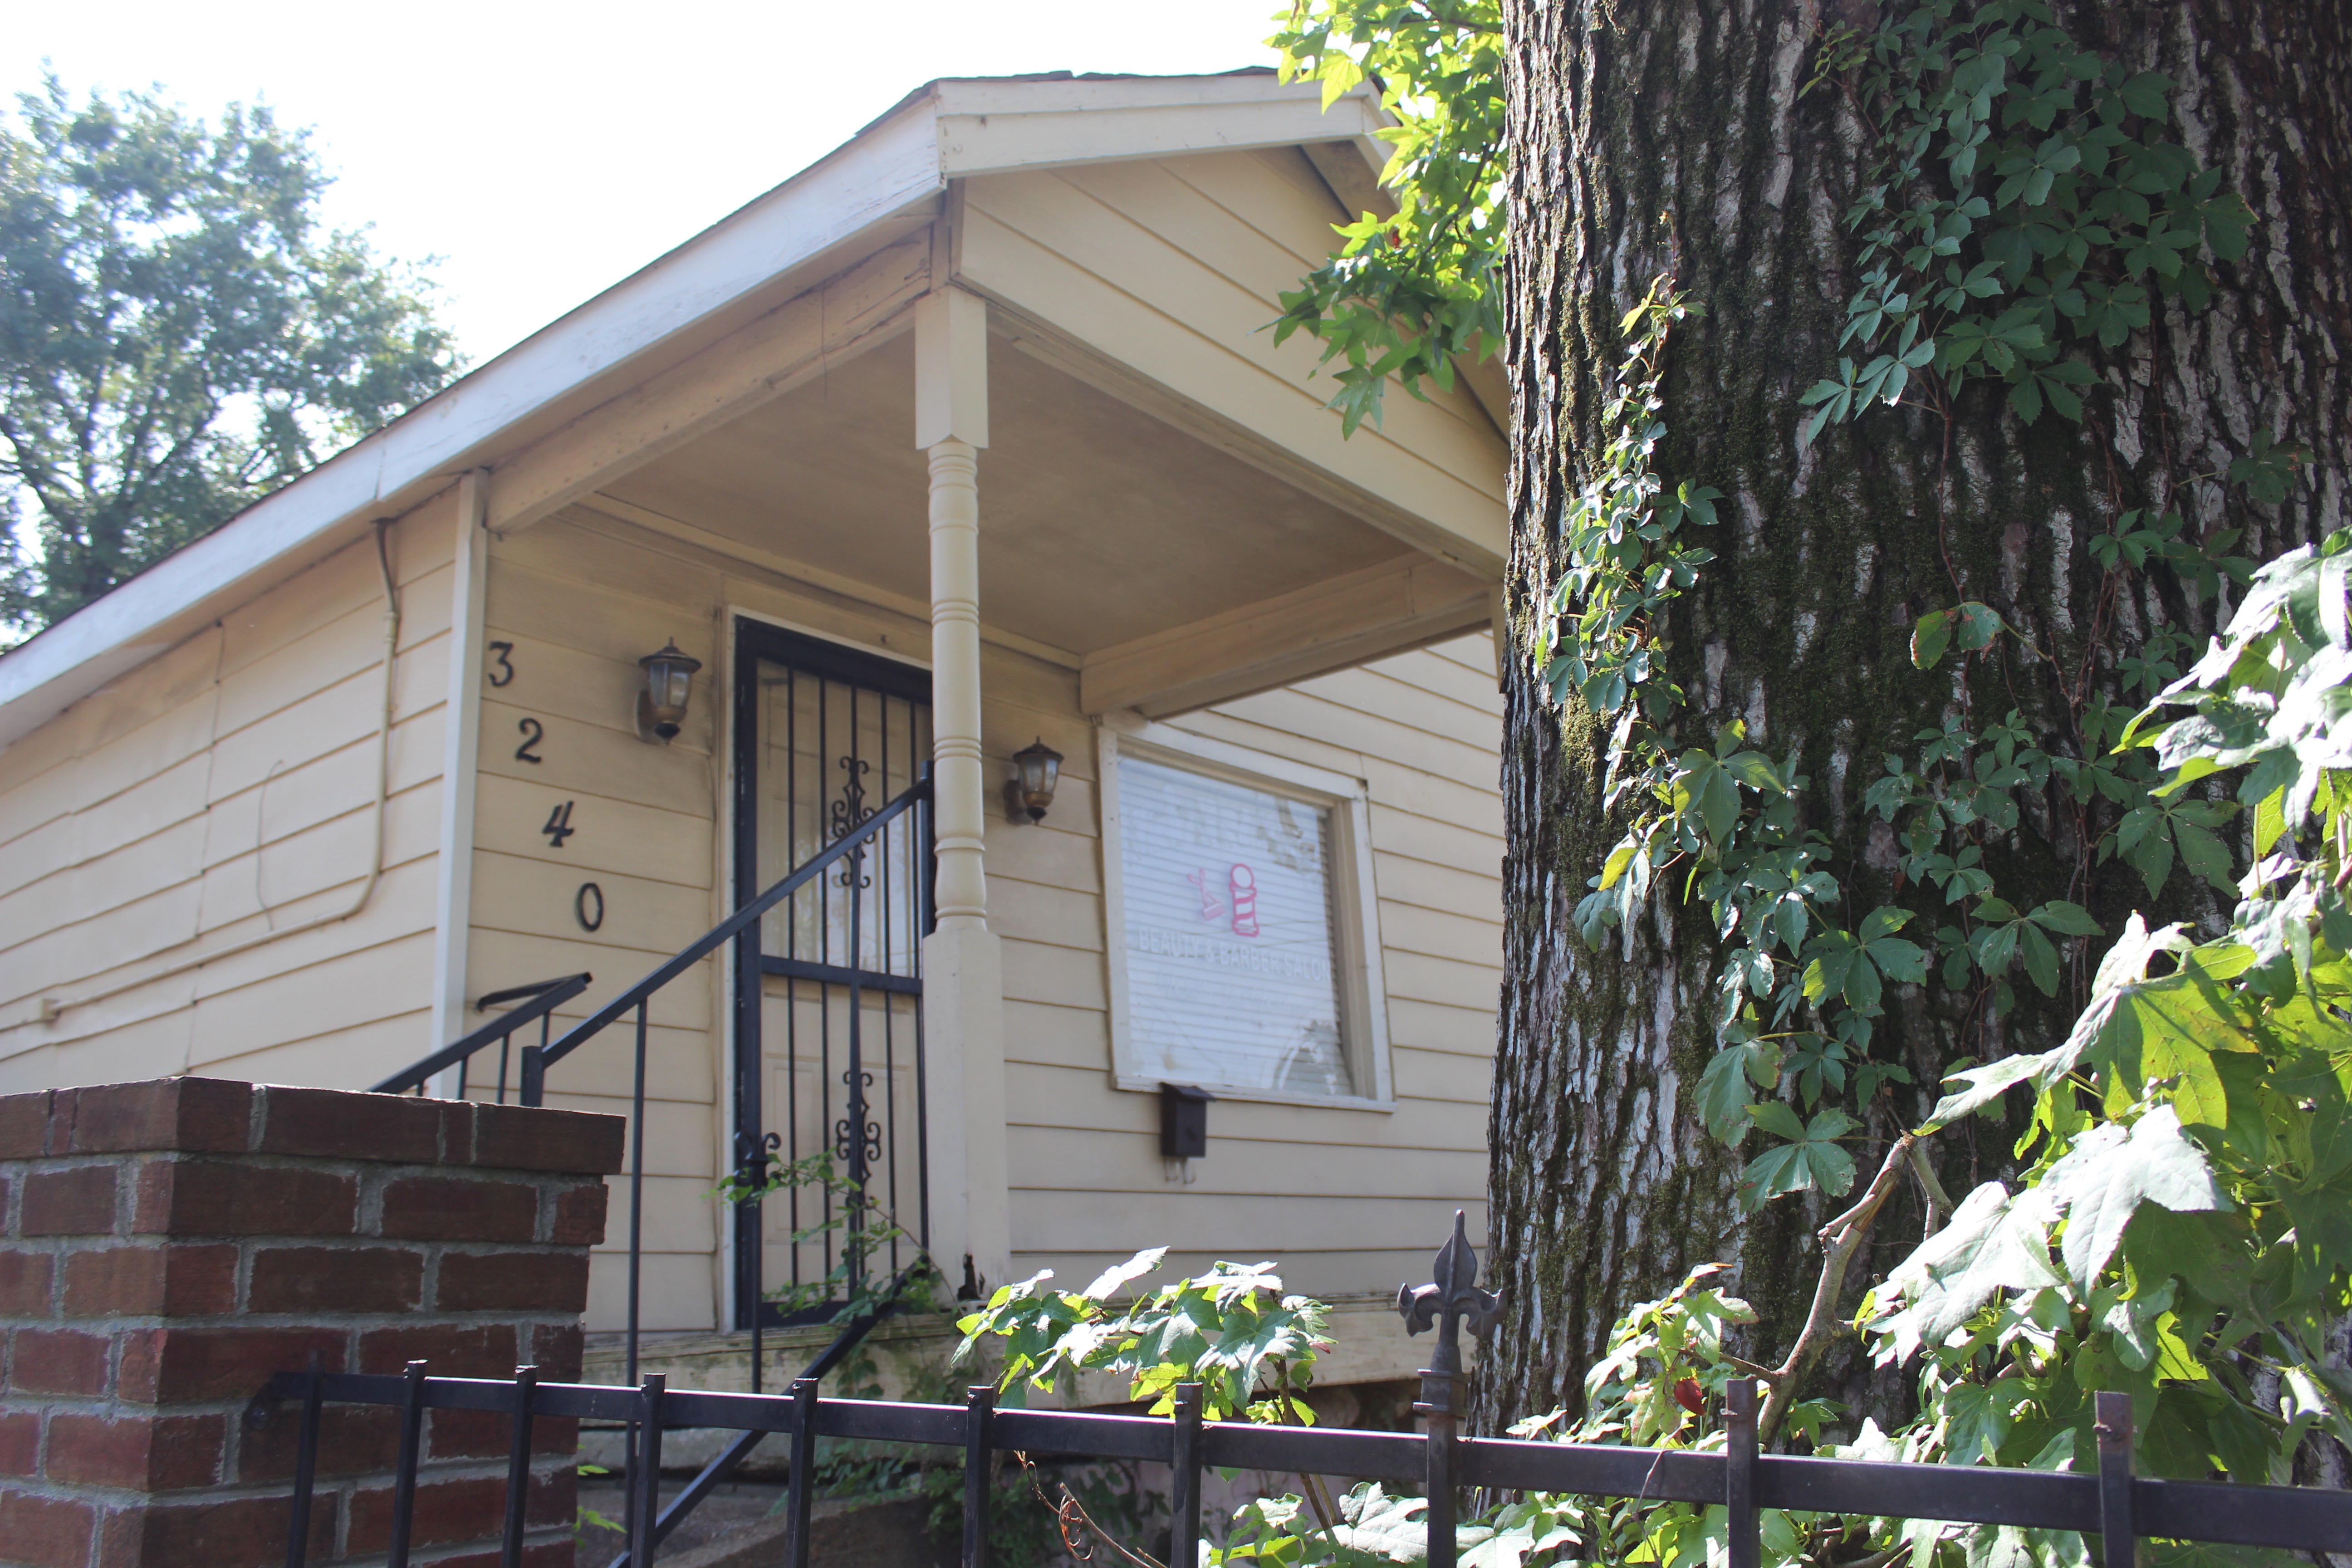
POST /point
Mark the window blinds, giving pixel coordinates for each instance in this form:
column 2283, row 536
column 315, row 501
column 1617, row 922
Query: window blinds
column 1230, row 952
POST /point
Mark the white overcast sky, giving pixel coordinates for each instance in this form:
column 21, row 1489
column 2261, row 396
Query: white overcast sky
column 543, row 152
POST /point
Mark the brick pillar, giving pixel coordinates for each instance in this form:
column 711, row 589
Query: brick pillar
column 170, row 1244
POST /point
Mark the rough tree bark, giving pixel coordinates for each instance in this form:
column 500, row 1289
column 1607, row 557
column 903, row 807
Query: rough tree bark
column 1669, row 136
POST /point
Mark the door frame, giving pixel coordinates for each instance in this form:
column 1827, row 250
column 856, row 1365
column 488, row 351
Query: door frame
column 755, row 640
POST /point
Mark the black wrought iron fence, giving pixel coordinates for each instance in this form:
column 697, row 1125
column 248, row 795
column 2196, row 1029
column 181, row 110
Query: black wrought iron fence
column 2113, row 1505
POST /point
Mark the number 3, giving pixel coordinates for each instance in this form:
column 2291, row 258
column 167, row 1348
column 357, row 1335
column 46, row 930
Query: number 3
column 506, row 665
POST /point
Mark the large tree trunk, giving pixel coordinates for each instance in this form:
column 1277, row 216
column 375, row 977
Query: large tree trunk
column 1654, row 136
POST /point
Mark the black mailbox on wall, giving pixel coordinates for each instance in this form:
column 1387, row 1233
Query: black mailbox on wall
column 1184, row 1120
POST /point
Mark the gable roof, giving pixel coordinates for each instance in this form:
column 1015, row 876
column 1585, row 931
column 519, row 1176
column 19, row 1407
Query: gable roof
column 883, row 182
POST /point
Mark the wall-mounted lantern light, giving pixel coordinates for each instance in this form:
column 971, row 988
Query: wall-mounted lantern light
column 1027, row 797
column 669, row 682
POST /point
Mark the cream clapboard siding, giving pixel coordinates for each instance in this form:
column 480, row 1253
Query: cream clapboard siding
column 1174, row 268
column 1346, row 1200
column 223, row 789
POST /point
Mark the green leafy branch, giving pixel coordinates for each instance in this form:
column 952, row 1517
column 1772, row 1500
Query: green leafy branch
column 1408, row 291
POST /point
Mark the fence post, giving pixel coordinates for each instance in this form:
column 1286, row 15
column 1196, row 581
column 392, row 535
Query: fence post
column 1436, row 1408
column 644, row 1470
column 802, row 1478
column 518, row 1470
column 2114, row 1429
column 979, row 1403
column 306, row 1465
column 403, row 1483
column 1745, row 1539
column 1184, row 1494
column 533, row 1087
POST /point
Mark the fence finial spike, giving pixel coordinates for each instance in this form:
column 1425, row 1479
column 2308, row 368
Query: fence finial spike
column 1452, row 1295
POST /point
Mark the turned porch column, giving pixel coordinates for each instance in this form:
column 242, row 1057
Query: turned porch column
column 963, row 984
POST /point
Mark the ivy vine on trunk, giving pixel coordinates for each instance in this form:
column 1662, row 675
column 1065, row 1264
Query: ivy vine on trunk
column 1982, row 347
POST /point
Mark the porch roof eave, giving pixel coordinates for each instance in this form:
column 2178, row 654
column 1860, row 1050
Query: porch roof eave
column 861, row 196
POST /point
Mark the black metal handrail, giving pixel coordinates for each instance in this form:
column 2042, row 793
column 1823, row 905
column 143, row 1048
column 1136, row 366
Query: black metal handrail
column 2111, row 1502
column 536, row 1059
column 535, row 1065
column 543, row 997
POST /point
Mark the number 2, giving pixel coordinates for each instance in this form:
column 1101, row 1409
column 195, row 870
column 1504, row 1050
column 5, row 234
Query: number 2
column 559, row 826
column 533, row 733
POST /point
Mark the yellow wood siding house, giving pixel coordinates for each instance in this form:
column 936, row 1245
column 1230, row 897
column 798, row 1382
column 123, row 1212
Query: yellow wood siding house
column 970, row 435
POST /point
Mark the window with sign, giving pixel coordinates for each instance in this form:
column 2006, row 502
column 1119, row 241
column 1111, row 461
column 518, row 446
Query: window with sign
column 1235, row 949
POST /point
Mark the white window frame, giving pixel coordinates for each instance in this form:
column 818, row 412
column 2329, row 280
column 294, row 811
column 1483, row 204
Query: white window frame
column 1355, row 903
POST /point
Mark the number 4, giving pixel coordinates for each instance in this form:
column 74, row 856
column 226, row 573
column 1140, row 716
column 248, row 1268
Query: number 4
column 558, row 825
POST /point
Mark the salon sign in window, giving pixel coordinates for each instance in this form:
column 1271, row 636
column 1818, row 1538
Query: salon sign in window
column 1231, row 956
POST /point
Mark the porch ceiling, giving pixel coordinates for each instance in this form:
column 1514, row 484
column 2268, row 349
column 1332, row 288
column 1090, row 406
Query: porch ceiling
column 1099, row 524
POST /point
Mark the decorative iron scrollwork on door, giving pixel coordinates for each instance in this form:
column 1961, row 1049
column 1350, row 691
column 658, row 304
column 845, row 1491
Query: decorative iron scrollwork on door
column 848, row 815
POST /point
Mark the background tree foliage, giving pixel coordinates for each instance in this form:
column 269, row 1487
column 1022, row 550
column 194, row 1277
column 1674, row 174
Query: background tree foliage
column 177, row 336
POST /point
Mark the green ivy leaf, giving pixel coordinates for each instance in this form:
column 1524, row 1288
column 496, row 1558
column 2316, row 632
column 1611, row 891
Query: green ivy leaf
column 1930, row 638
column 1810, row 1160
column 2111, row 1170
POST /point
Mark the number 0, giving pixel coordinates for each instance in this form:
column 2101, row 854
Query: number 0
column 588, row 906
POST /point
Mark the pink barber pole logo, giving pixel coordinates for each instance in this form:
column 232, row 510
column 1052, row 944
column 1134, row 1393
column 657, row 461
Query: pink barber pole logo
column 1241, row 887
column 1243, row 884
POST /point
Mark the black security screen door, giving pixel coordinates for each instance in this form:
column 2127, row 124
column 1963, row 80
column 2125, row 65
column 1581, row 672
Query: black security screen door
column 828, row 1001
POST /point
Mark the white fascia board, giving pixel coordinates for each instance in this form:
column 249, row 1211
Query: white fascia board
column 958, row 127
column 996, row 127
column 893, row 166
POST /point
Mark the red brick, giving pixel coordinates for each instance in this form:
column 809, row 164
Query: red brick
column 77, row 1202
column 191, row 1115
column 212, row 1198
column 139, row 1453
column 555, row 1497
column 58, row 1361
column 461, row 1208
column 580, row 1215
column 447, row 1349
column 446, row 1512
column 468, row 1434
column 23, row 1125
column 232, row 1532
column 513, row 1282
column 530, row 1138
column 336, row 1124
column 178, row 1365
column 169, row 1280
column 354, row 1440
column 25, row 1283
column 48, row 1532
column 555, row 1350
column 20, row 1443
column 335, row 1280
